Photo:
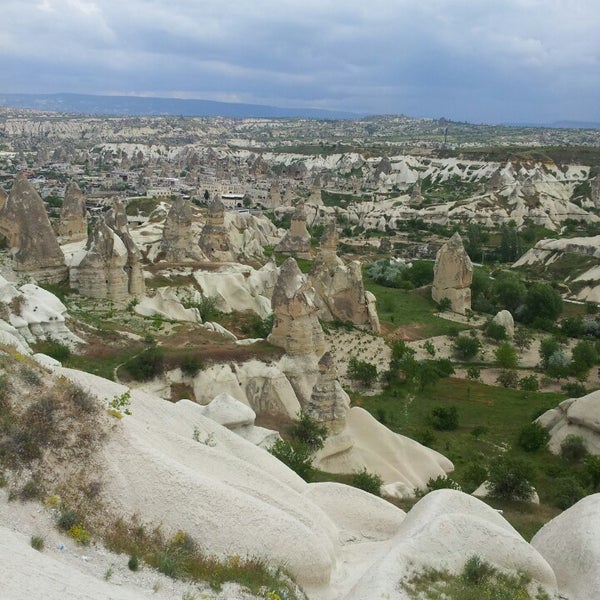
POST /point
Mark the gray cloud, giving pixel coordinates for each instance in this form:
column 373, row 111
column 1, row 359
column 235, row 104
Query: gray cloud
column 478, row 60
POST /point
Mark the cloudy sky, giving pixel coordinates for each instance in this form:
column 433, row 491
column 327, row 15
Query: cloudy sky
column 475, row 60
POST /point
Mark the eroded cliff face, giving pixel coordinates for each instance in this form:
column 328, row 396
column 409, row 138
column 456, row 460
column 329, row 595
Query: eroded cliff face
column 453, row 274
column 34, row 247
column 214, row 239
column 178, row 239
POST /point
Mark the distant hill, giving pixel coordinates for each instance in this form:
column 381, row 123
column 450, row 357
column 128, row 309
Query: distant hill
column 147, row 106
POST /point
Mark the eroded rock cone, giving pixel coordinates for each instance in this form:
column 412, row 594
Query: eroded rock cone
column 453, row 274
column 340, row 292
column 3, row 198
column 296, row 327
column 72, row 226
column 34, row 247
column 178, row 240
column 296, row 241
column 214, row 239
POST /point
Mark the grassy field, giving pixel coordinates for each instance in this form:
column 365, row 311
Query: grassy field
column 397, row 308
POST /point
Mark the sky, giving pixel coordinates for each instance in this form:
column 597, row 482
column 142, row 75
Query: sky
column 482, row 61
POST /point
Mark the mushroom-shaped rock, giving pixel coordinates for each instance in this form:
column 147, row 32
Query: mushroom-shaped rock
column 453, row 274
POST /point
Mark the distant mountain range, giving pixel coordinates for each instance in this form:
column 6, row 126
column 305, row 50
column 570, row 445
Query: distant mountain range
column 147, row 106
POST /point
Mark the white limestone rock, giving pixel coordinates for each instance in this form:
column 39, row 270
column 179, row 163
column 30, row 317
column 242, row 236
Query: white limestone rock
column 505, row 319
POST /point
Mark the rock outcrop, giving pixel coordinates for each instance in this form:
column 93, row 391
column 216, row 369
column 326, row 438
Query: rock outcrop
column 505, row 319
column 100, row 270
column 33, row 245
column 214, row 239
column 575, row 416
column 296, row 241
column 328, row 402
column 340, row 293
column 3, row 198
column 571, row 545
column 296, row 328
column 72, row 226
column 453, row 274
column 178, row 243
column 116, row 219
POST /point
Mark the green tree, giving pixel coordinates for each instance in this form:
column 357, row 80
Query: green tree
column 532, row 437
column 506, row 356
column 444, row 418
column 466, row 347
column 308, row 431
column 360, row 370
column 542, row 303
column 522, row 339
column 509, row 291
column 583, row 357
column 510, row 245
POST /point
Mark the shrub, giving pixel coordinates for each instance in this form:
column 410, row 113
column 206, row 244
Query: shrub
column 441, row 482
column 529, row 383
column 477, row 571
column 308, row 431
column 67, row 519
column 444, row 418
column 506, row 356
column 369, row 482
column 208, row 308
column 566, row 491
column 429, row 348
column 473, row 476
column 362, row 371
column 573, row 389
column 509, row 479
column 495, row 331
column 79, row 534
column 444, row 304
column 592, row 470
column 37, row 542
column 466, row 347
column 425, row 437
column 133, row 563
column 190, row 365
column 522, row 339
column 146, row 365
column 54, row 349
column 508, row 379
column 532, row 437
column 473, row 373
column 573, row 448
column 295, row 455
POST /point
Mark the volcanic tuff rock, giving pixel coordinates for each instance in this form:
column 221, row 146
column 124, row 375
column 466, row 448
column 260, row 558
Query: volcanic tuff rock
column 296, row 327
column 505, row 319
column 34, row 248
column 575, row 416
column 340, row 291
column 328, row 402
column 214, row 239
column 453, row 274
column 3, row 198
column 178, row 243
column 99, row 271
column 72, row 226
column 296, row 241
column 116, row 219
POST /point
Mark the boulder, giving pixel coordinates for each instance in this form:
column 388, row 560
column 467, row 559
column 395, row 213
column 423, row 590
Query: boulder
column 571, row 545
column 505, row 319
column 72, row 225
column 453, row 274
column 33, row 245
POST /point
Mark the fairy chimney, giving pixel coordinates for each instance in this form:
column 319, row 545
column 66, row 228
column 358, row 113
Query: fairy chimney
column 72, row 226
column 178, row 240
column 296, row 241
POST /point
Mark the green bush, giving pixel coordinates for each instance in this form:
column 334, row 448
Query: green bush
column 444, row 418
column 573, row 389
column 296, row 455
column 362, row 371
column 369, row 482
column 146, row 365
column 495, row 331
column 308, row 431
column 566, row 491
column 466, row 347
column 509, row 479
column 133, row 563
column 532, row 437
column 508, row 379
column 529, row 383
column 442, row 482
column 191, row 364
column 56, row 350
column 573, row 448
column 444, row 304
column 506, row 356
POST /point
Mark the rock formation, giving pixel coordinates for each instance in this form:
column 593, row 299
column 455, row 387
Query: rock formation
column 575, row 416
column 116, row 219
column 178, row 240
column 72, row 226
column 214, row 239
column 3, row 198
column 33, row 245
column 505, row 319
column 296, row 328
column 453, row 274
column 595, row 190
column 328, row 401
column 340, row 291
column 100, row 271
column 296, row 241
